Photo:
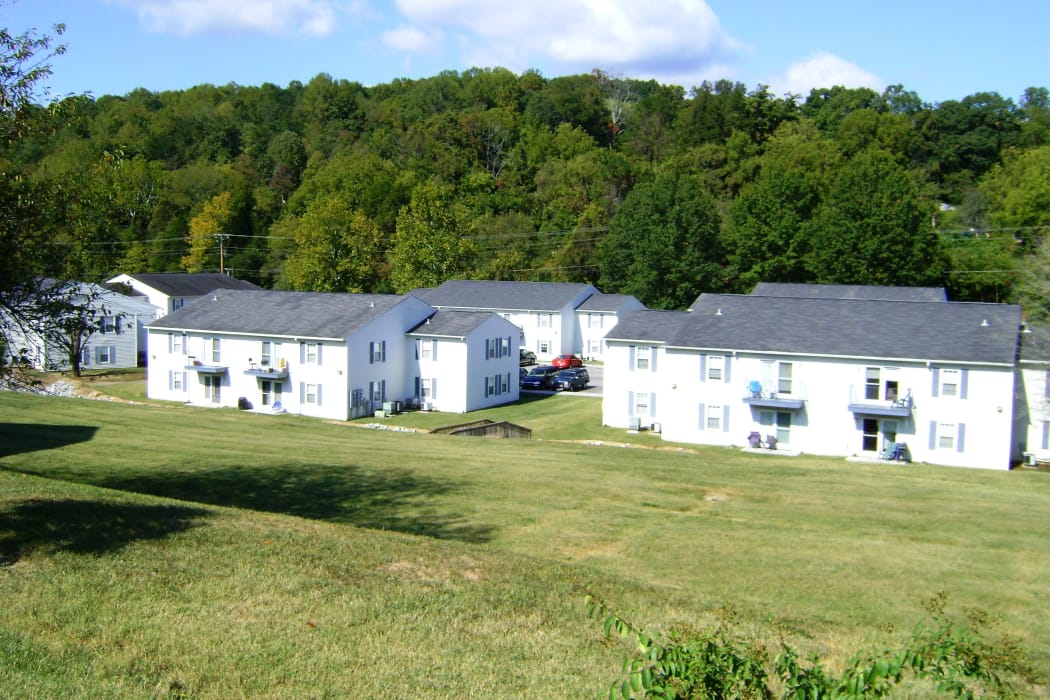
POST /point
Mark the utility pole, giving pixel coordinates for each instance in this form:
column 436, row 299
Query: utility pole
column 222, row 251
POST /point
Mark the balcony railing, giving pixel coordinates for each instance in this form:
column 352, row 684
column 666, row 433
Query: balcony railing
column 268, row 371
column 201, row 368
column 900, row 407
column 761, row 396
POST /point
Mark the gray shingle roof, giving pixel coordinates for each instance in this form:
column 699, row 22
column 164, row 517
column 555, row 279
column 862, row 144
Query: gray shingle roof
column 848, row 291
column 190, row 284
column 605, row 302
column 294, row 314
column 1035, row 345
column 510, row 296
column 451, row 324
column 875, row 328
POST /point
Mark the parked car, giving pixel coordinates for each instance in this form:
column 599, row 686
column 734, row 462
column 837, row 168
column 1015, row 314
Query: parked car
column 539, row 377
column 526, row 357
column 567, row 361
column 522, row 371
column 575, row 379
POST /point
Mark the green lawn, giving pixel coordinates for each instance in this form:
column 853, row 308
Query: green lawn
column 160, row 550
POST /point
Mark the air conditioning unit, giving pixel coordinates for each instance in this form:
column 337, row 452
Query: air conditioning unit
column 390, row 407
column 635, row 423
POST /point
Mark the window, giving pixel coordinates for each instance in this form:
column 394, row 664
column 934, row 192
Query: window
column 543, row 320
column 949, row 382
column 871, row 384
column 714, row 367
column 497, row 384
column 311, row 353
column 784, row 379
column 426, row 349
column 265, row 354
column 783, row 427
column 543, row 347
column 641, row 358
column 946, row 436
column 427, row 387
column 870, row 435
column 504, row 346
column 176, row 381
column 311, row 393
column 641, row 404
column 105, row 355
column 491, row 348
column 595, row 320
column 377, row 352
column 178, row 343
column 216, row 350
column 714, row 418
column 212, row 386
column 107, row 324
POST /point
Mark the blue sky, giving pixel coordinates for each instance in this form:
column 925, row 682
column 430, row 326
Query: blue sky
column 943, row 50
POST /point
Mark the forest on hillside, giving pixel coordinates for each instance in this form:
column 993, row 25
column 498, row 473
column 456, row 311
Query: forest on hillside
column 637, row 187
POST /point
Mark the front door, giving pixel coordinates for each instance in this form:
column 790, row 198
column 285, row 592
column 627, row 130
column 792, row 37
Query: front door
column 212, row 386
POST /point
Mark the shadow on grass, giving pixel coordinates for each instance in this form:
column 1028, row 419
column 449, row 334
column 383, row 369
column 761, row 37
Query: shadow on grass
column 86, row 526
column 397, row 500
column 16, row 438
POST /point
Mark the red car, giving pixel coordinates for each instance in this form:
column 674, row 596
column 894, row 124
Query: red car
column 566, row 361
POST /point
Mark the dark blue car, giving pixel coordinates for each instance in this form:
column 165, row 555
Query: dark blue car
column 539, row 377
column 575, row 379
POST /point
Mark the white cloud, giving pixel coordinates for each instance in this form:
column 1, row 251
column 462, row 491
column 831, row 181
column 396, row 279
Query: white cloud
column 410, row 39
column 189, row 17
column 652, row 38
column 824, row 70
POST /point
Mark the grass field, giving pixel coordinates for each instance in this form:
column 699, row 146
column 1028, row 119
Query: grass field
column 160, row 550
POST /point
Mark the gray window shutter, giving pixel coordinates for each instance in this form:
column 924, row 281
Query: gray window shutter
column 371, row 352
column 184, row 389
column 318, row 394
column 960, row 445
column 630, row 359
column 652, row 359
column 319, row 346
column 725, row 414
column 434, row 350
column 933, row 435
column 112, row 354
column 964, row 377
column 302, row 392
column 486, row 386
column 171, row 385
column 703, row 368
column 382, row 351
column 434, row 388
column 171, row 341
column 703, row 417
column 302, row 353
column 1046, row 434
column 630, row 403
column 652, row 405
column 934, row 391
column 726, row 371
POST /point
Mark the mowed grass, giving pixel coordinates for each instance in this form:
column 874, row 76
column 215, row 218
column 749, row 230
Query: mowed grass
column 161, row 550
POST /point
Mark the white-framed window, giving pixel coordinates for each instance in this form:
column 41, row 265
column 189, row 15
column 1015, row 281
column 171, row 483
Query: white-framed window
column 715, row 363
column 108, row 324
column 544, row 320
column 641, row 358
column 595, row 320
column 714, row 417
column 641, row 404
column 265, row 353
column 216, row 350
column 871, row 383
column 311, row 393
column 377, row 352
column 504, row 346
column 543, row 347
column 311, row 353
column 426, row 349
column 105, row 355
column 946, row 434
column 426, row 385
column 497, row 384
column 178, row 343
column 784, row 379
column 950, row 382
column 176, row 381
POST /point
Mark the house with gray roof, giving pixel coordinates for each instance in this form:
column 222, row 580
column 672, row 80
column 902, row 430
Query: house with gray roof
column 464, row 361
column 170, row 291
column 1033, row 389
column 337, row 356
column 832, row 372
column 555, row 318
column 848, row 291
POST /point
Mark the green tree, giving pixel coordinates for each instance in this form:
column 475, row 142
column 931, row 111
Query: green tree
column 663, row 244
column 207, row 233
column 337, row 249
column 874, row 228
column 430, row 242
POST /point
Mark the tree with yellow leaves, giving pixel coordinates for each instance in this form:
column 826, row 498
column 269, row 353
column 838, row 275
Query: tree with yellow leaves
column 206, row 229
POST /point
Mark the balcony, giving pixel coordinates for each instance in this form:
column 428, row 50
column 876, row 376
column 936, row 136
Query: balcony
column 267, row 372
column 763, row 397
column 886, row 408
column 201, row 368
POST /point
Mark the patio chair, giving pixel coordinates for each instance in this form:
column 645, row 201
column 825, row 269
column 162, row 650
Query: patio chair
column 754, row 439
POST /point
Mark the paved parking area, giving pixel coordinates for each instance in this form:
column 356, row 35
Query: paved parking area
column 596, row 372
